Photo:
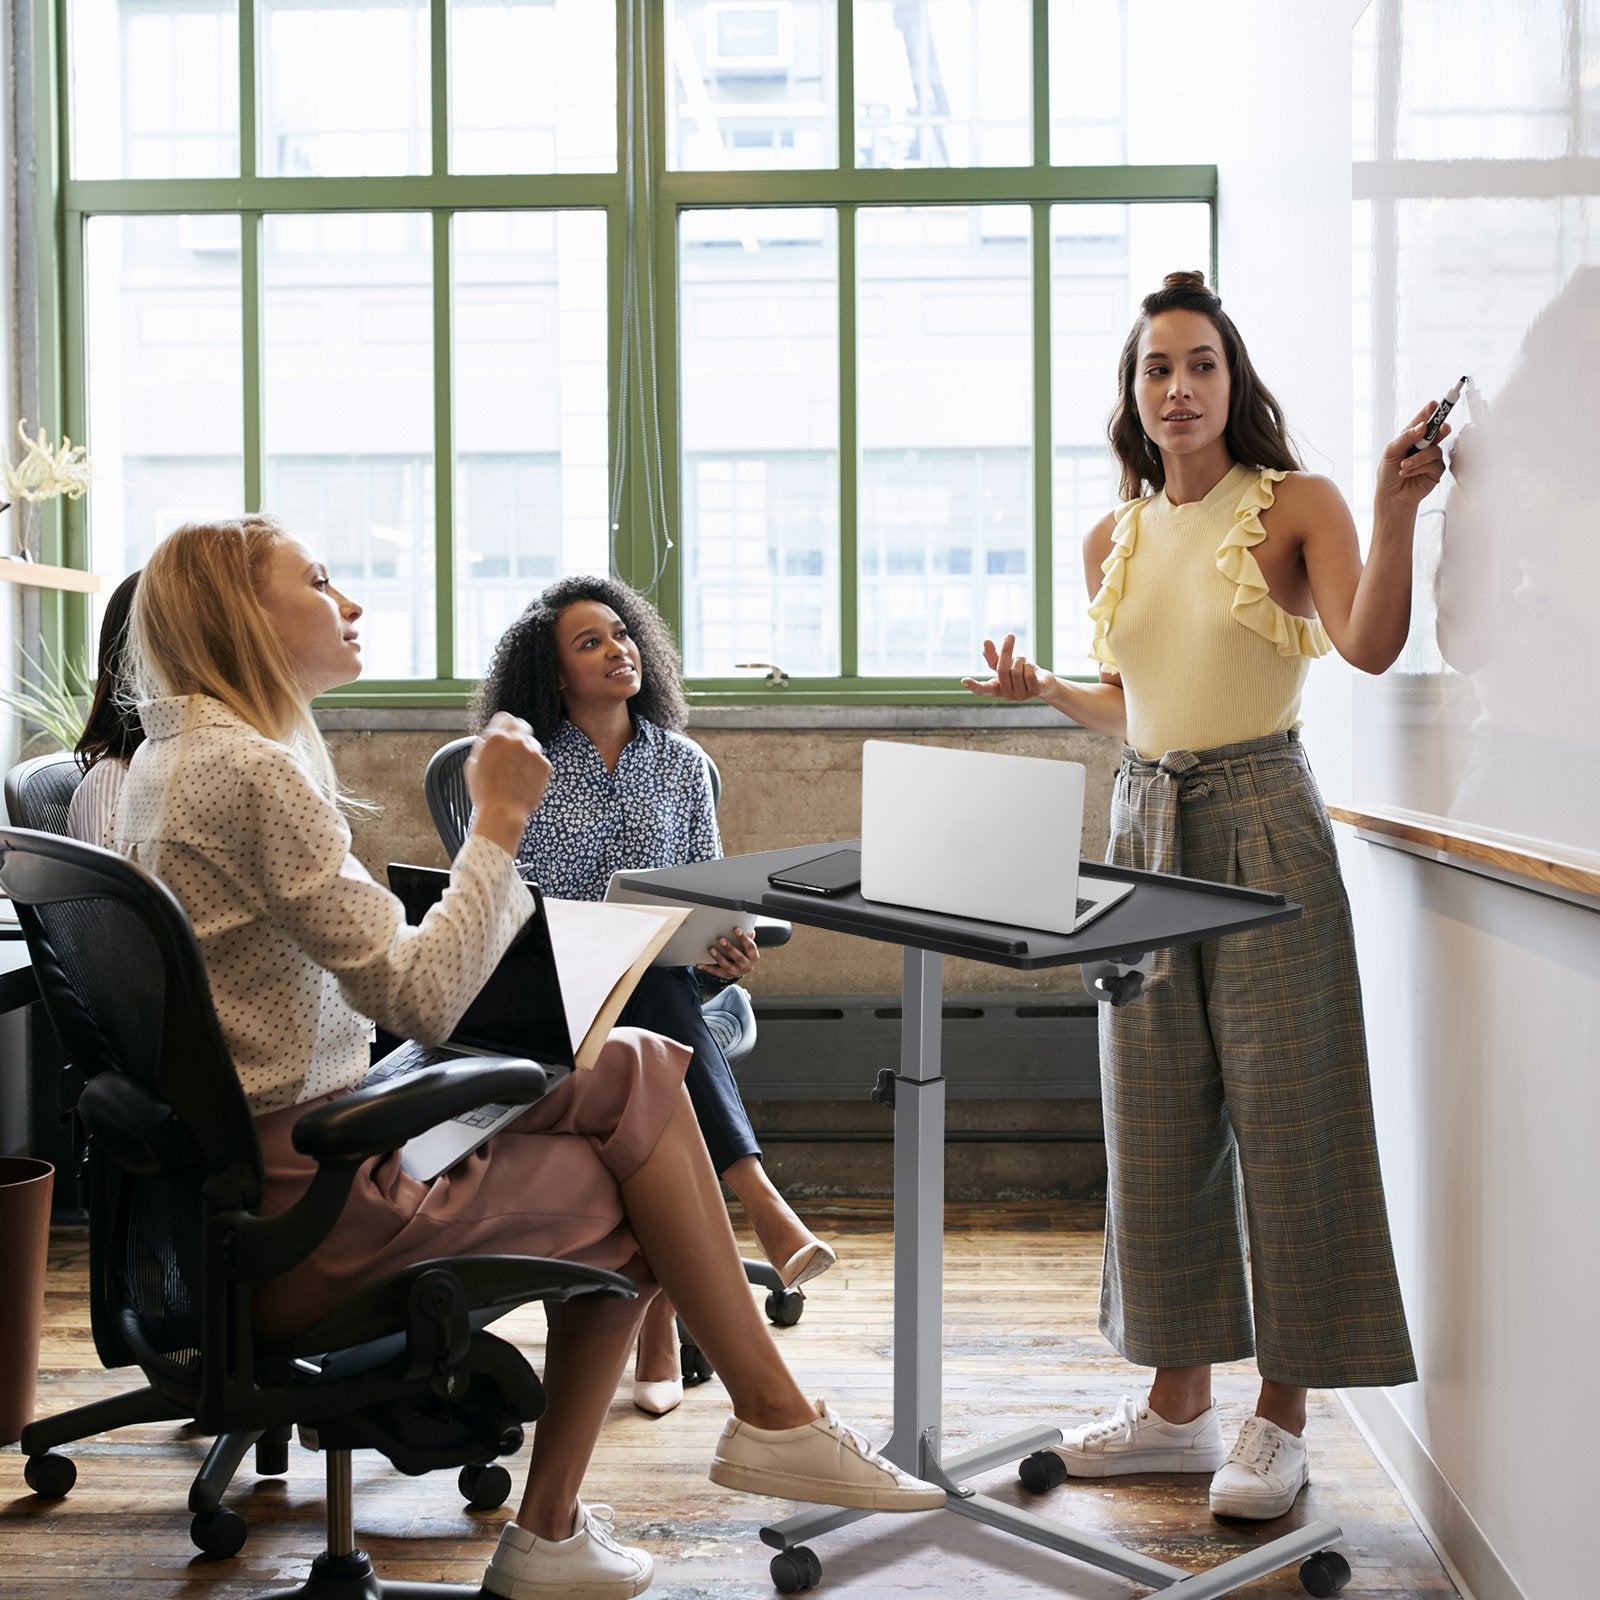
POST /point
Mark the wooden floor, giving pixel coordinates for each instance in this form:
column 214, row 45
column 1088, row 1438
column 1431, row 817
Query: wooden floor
column 1020, row 1346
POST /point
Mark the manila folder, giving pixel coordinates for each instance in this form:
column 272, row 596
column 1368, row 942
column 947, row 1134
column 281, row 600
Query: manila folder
column 601, row 951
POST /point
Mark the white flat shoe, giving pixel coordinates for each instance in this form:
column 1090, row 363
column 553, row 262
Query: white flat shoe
column 657, row 1398
column 808, row 1262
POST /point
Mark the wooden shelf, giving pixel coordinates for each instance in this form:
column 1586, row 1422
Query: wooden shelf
column 46, row 577
column 1529, row 860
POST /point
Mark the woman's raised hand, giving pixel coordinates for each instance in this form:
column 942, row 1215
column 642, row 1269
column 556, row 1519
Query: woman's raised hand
column 1015, row 676
column 1403, row 479
column 506, row 778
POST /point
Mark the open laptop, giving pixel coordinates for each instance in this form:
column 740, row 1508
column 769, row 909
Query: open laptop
column 977, row 834
column 698, row 931
column 518, row 1012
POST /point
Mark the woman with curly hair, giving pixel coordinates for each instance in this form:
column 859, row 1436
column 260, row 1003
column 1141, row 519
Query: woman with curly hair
column 591, row 667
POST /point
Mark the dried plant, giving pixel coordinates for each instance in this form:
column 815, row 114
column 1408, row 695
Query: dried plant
column 45, row 471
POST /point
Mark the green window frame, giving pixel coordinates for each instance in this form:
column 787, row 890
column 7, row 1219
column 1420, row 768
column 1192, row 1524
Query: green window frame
column 64, row 206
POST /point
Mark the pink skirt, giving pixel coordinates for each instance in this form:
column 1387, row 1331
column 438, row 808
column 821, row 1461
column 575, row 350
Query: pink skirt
column 548, row 1185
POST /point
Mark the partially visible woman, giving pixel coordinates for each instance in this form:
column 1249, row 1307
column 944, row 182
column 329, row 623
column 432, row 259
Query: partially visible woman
column 592, row 668
column 232, row 802
column 112, row 730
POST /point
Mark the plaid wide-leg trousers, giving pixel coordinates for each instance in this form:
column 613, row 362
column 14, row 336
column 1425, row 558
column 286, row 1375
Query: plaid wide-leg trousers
column 1246, row 1057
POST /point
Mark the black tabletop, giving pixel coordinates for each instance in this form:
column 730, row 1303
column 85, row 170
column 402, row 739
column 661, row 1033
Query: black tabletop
column 1162, row 910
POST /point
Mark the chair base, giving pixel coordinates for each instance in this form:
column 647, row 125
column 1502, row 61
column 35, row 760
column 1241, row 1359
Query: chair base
column 350, row 1577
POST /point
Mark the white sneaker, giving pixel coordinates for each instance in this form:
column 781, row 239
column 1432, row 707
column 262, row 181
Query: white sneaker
column 1136, row 1439
column 590, row 1565
column 1264, row 1471
column 822, row 1461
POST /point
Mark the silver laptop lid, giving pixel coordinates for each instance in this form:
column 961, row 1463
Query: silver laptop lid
column 972, row 833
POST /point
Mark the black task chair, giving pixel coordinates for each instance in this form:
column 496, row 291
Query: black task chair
column 39, row 791
column 178, row 1246
column 444, row 783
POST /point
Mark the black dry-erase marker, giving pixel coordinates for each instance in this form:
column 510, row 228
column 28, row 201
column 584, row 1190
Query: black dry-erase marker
column 1436, row 418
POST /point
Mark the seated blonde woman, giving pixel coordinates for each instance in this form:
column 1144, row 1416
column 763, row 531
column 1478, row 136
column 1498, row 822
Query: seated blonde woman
column 232, row 801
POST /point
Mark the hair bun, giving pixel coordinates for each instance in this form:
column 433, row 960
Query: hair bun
column 1184, row 280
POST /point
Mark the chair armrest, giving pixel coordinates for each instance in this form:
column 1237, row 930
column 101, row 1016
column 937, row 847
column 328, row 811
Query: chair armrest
column 769, row 932
column 375, row 1120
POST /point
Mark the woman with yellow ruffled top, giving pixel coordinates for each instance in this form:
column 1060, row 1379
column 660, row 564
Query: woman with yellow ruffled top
column 1224, row 573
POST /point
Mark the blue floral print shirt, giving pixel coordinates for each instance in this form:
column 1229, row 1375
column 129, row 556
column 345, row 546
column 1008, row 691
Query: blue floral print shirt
column 654, row 810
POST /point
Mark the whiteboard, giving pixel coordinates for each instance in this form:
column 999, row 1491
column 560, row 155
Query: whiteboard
column 1477, row 229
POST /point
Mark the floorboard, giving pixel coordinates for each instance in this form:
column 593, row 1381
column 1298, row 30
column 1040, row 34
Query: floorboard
column 1020, row 1346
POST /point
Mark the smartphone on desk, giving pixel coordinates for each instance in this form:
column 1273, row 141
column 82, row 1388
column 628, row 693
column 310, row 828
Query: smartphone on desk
column 838, row 872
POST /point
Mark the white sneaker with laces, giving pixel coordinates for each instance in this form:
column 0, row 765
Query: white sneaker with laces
column 589, row 1565
column 1136, row 1439
column 821, row 1461
column 1264, row 1472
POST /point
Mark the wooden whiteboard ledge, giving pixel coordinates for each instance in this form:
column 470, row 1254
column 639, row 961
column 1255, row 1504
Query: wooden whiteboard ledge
column 47, row 577
column 1568, row 877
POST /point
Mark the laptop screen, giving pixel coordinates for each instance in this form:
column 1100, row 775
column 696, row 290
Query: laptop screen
column 519, row 1010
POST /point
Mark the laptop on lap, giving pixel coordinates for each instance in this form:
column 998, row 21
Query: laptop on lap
column 518, row 1012
column 978, row 834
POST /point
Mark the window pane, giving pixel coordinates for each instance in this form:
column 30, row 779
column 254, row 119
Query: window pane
column 1103, row 261
column 348, row 418
column 759, row 353
column 945, row 410
column 165, row 407
column 533, row 86
column 1116, row 67
column 751, row 84
column 344, row 88
column 530, row 414
column 155, row 88
column 942, row 83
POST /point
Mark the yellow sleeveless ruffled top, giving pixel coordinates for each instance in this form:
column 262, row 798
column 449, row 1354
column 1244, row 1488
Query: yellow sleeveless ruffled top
column 1207, row 656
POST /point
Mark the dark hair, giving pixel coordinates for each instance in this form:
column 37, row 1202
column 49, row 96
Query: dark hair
column 112, row 727
column 1256, row 435
column 522, row 678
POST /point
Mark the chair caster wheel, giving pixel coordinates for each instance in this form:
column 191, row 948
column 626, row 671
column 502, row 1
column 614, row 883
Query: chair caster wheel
column 484, row 1486
column 50, row 1477
column 220, row 1533
column 1325, row 1573
column 693, row 1364
column 1041, row 1471
column 796, row 1569
column 785, row 1307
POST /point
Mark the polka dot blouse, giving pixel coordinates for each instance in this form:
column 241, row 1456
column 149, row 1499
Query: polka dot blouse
column 300, row 945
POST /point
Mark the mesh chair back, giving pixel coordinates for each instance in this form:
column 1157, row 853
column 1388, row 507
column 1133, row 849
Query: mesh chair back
column 169, row 1132
column 39, row 792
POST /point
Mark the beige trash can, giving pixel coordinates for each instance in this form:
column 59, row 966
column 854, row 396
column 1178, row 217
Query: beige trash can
column 25, row 1190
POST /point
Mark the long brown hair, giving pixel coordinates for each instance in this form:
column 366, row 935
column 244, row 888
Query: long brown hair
column 1256, row 435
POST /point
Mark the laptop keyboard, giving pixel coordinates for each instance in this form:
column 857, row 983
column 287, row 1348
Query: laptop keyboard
column 1084, row 905
column 413, row 1057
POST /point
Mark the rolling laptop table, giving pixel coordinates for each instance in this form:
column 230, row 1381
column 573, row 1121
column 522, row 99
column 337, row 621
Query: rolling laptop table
column 1161, row 911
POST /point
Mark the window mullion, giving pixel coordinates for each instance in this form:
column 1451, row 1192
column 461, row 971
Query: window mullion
column 249, row 83
column 849, row 449
column 444, row 451
column 1041, row 83
column 1043, row 443
column 252, row 367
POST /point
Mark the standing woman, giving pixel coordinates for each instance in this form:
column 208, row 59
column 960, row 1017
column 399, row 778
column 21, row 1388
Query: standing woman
column 232, row 802
column 591, row 667
column 1226, row 570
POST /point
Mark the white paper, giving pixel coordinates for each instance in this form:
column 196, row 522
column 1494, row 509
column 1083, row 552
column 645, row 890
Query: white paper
column 594, row 944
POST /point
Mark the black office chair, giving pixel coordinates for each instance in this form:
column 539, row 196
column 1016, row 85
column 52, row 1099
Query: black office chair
column 444, row 783
column 39, row 791
column 178, row 1244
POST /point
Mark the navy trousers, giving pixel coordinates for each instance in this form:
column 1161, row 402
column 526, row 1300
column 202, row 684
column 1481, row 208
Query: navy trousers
column 667, row 1001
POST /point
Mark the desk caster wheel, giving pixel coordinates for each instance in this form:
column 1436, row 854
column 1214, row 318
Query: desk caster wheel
column 796, row 1569
column 219, row 1534
column 50, row 1477
column 692, row 1361
column 1325, row 1573
column 1042, row 1471
column 785, row 1307
column 485, row 1487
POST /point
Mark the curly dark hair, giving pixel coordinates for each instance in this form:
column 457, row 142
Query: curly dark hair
column 112, row 727
column 522, row 678
column 1256, row 435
